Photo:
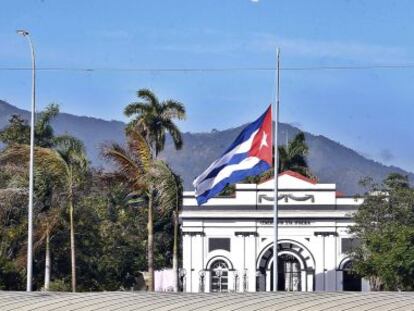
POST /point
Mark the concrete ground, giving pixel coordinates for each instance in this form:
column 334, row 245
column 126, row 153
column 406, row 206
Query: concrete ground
column 142, row 301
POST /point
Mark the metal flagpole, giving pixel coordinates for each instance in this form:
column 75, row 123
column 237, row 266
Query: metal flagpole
column 275, row 166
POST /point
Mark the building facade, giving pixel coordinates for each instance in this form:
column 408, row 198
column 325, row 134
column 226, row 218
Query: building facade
column 228, row 242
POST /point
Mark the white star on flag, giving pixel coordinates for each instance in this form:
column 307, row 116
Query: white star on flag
column 263, row 143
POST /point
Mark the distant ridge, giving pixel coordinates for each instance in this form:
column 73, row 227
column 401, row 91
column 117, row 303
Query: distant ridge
column 330, row 161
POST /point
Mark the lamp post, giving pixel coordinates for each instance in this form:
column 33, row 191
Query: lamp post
column 26, row 34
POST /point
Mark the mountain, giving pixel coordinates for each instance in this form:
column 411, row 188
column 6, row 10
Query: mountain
column 330, row 161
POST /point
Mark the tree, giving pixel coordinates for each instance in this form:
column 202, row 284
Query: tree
column 169, row 195
column 63, row 166
column 18, row 130
column 384, row 226
column 73, row 153
column 50, row 173
column 153, row 119
column 293, row 156
column 133, row 163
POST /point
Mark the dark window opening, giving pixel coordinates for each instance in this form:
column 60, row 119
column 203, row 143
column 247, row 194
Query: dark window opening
column 219, row 243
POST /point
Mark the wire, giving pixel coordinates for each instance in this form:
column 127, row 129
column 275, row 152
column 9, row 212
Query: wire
column 206, row 69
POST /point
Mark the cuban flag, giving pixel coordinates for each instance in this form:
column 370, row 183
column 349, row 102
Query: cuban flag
column 250, row 154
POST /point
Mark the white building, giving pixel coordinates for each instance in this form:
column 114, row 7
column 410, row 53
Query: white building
column 228, row 242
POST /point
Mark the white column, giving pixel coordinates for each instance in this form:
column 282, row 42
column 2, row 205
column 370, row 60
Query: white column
column 187, row 261
column 309, row 286
column 251, row 257
column 198, row 260
column 319, row 252
column 330, row 262
column 365, row 287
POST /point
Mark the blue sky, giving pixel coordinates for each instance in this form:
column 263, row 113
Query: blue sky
column 370, row 111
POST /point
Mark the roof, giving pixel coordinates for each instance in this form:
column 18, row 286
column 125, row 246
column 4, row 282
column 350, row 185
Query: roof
column 296, row 175
column 142, row 301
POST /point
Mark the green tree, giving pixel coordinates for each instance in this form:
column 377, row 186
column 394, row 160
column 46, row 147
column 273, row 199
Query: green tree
column 49, row 172
column 169, row 195
column 73, row 153
column 64, row 166
column 153, row 119
column 133, row 163
column 18, row 130
column 293, row 156
column 384, row 226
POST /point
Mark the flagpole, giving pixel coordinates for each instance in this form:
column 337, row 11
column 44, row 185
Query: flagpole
column 275, row 166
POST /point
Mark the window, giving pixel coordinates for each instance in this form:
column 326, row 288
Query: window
column 219, row 276
column 348, row 244
column 219, row 243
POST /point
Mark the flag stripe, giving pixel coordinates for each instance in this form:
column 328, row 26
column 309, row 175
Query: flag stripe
column 248, row 155
column 243, row 148
column 234, row 177
column 206, row 184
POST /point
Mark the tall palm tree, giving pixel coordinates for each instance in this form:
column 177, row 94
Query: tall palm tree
column 133, row 163
column 52, row 176
column 64, row 165
column 169, row 197
column 73, row 153
column 153, row 119
column 293, row 156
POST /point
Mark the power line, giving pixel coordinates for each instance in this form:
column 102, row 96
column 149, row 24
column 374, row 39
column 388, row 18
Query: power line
column 212, row 69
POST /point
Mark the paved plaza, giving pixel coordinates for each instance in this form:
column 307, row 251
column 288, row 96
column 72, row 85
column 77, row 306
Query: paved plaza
column 142, row 301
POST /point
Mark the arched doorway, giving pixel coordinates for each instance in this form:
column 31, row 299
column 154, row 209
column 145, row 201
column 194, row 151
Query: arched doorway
column 219, row 281
column 289, row 274
column 350, row 280
column 295, row 268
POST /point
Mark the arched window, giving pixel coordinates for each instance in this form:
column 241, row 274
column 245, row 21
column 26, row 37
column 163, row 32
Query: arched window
column 219, row 276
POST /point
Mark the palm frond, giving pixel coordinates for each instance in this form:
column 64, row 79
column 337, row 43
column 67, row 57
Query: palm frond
column 136, row 108
column 138, row 144
column 45, row 159
column 126, row 163
column 172, row 109
column 149, row 96
column 175, row 133
column 168, row 186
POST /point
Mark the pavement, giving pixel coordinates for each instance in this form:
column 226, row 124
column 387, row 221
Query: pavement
column 142, row 301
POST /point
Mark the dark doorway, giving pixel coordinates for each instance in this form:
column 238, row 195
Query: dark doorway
column 350, row 280
column 289, row 274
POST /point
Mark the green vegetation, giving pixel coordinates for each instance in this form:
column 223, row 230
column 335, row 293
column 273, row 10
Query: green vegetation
column 91, row 221
column 385, row 228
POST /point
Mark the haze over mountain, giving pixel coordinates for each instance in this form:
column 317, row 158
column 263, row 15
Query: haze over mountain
column 330, row 161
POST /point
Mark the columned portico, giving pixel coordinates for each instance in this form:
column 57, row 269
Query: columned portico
column 228, row 242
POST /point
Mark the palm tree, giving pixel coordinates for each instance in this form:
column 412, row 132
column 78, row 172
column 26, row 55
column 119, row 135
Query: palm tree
column 64, row 167
column 153, row 119
column 293, row 156
column 169, row 197
column 73, row 153
column 134, row 163
column 52, row 176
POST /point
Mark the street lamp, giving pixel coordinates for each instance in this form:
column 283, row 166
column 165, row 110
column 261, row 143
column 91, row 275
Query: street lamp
column 26, row 34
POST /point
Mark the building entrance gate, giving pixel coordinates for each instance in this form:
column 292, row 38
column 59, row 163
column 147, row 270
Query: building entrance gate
column 295, row 268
